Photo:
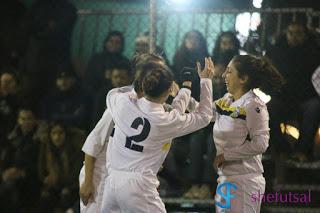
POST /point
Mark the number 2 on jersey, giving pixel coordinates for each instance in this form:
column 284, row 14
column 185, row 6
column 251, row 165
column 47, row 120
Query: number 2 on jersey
column 138, row 138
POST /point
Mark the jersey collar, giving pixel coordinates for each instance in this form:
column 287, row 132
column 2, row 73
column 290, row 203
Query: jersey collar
column 244, row 97
column 147, row 105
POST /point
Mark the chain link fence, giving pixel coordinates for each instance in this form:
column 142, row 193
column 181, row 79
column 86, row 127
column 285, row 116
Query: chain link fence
column 172, row 24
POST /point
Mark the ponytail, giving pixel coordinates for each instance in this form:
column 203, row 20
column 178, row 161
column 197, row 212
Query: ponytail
column 156, row 82
column 261, row 73
column 142, row 64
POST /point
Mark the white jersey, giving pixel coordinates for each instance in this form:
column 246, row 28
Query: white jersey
column 95, row 146
column 241, row 133
column 179, row 103
column 143, row 130
column 96, row 142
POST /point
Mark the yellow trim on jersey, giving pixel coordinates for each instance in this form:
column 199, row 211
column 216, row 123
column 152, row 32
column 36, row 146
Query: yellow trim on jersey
column 234, row 111
column 166, row 146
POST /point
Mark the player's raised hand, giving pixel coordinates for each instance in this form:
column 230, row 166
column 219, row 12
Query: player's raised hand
column 174, row 89
column 208, row 71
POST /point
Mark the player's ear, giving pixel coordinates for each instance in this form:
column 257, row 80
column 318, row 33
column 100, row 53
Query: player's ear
column 244, row 79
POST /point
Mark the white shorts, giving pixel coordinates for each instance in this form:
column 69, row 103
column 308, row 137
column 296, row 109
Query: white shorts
column 94, row 205
column 131, row 192
column 247, row 185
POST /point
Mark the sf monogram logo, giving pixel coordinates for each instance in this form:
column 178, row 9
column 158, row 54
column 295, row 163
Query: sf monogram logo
column 224, row 190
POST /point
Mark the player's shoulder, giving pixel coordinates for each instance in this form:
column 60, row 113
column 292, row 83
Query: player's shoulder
column 226, row 98
column 254, row 103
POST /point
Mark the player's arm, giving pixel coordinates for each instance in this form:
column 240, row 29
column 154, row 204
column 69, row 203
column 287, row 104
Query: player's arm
column 181, row 100
column 182, row 124
column 227, row 100
column 192, row 105
column 258, row 127
column 92, row 147
column 181, row 96
column 87, row 188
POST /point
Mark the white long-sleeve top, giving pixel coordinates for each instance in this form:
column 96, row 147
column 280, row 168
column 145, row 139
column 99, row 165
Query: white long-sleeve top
column 241, row 133
column 96, row 142
column 144, row 130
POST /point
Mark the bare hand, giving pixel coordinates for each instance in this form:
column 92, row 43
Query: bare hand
column 219, row 159
column 86, row 192
column 208, row 71
column 174, row 89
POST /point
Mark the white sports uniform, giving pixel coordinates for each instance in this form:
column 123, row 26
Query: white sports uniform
column 241, row 133
column 96, row 145
column 141, row 141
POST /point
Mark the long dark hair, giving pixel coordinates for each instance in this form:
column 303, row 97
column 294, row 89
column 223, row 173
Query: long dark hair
column 216, row 52
column 186, row 58
column 260, row 71
column 52, row 157
column 203, row 48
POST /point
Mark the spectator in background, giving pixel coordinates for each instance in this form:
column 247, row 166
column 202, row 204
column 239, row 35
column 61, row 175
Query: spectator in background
column 9, row 102
column 19, row 157
column 142, row 46
column 60, row 163
column 296, row 55
column 67, row 102
column 190, row 158
column 120, row 76
column 50, row 25
column 100, row 63
column 226, row 47
column 193, row 48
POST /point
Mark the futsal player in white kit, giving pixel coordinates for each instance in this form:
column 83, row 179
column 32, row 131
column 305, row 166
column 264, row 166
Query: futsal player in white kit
column 142, row 139
column 94, row 172
column 241, row 133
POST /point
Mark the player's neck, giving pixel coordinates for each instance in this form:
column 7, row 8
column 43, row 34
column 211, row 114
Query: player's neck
column 155, row 100
column 237, row 95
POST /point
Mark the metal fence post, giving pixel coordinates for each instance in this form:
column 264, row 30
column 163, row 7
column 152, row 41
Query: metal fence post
column 153, row 26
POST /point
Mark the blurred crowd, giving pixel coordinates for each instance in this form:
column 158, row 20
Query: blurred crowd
column 47, row 110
